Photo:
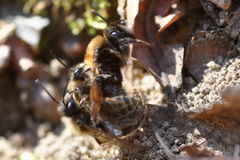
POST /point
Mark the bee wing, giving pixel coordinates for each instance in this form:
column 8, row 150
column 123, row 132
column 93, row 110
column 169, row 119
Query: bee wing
column 103, row 137
column 157, row 78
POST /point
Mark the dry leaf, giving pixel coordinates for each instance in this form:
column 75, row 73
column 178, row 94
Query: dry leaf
column 194, row 151
column 203, row 48
column 166, row 21
column 224, row 4
column 165, row 60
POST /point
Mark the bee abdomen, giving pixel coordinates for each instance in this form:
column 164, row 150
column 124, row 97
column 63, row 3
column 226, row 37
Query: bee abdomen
column 125, row 113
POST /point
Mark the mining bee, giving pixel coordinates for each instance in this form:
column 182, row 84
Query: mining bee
column 95, row 98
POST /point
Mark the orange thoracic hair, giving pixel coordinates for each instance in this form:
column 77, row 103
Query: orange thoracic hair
column 95, row 43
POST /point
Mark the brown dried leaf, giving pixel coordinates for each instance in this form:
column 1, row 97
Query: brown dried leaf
column 194, row 151
column 166, row 21
column 228, row 110
column 203, row 48
column 224, row 4
column 206, row 158
column 164, row 60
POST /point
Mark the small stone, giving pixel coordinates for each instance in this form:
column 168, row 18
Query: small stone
column 175, row 149
column 148, row 144
column 83, row 149
column 43, row 129
column 177, row 142
column 17, row 140
column 195, row 90
column 196, row 132
column 165, row 125
column 213, row 65
column 85, row 157
column 152, row 155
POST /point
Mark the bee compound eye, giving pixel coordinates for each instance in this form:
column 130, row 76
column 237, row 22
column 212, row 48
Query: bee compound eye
column 70, row 107
column 77, row 73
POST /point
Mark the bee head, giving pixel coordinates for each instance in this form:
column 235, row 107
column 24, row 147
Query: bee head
column 118, row 36
column 69, row 107
column 72, row 108
column 79, row 73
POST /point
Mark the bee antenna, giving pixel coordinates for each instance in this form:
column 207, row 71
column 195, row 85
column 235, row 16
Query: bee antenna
column 64, row 92
column 97, row 14
column 60, row 61
column 37, row 81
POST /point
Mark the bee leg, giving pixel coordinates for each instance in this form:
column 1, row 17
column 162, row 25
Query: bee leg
column 128, row 40
column 115, row 53
column 96, row 96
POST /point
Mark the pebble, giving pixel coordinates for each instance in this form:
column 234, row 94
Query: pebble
column 213, row 65
column 196, row 132
column 195, row 90
column 83, row 149
column 148, row 144
column 165, row 125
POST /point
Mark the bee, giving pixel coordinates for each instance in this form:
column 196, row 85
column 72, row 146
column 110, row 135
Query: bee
column 120, row 114
column 108, row 54
column 95, row 99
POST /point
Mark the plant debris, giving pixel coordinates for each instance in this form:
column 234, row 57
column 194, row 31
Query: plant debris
column 165, row 60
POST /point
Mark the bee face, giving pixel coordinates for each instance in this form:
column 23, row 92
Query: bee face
column 118, row 38
column 80, row 76
column 70, row 108
column 80, row 72
column 77, row 110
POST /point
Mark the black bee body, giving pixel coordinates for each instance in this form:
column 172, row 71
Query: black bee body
column 81, row 75
column 95, row 100
column 76, row 101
